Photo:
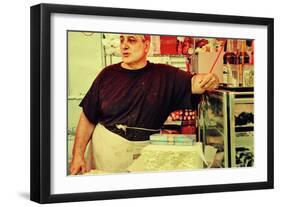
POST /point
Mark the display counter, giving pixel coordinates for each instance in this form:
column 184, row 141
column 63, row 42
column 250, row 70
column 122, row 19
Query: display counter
column 226, row 121
column 170, row 158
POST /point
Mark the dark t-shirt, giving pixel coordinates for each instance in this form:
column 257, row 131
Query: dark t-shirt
column 141, row 98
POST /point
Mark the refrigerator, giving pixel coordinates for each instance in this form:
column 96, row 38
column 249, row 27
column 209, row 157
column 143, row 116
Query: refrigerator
column 226, row 122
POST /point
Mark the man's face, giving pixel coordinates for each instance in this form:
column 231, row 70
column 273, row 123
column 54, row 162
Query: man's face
column 134, row 49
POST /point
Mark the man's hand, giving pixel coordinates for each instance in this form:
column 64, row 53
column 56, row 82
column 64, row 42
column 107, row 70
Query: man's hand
column 78, row 165
column 202, row 82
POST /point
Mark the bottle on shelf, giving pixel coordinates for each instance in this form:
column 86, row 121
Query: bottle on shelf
column 248, row 68
column 230, row 69
column 243, row 61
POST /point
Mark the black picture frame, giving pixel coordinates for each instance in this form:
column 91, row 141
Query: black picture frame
column 41, row 102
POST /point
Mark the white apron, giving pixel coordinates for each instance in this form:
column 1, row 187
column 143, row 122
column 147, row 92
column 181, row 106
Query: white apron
column 109, row 152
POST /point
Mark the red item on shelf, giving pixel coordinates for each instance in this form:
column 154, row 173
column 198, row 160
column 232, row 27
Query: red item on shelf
column 189, row 129
column 168, row 45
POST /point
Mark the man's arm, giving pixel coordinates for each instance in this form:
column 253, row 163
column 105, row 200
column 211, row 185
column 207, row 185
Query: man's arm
column 202, row 82
column 83, row 134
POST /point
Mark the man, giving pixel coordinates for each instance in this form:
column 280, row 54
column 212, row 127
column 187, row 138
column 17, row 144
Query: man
column 128, row 102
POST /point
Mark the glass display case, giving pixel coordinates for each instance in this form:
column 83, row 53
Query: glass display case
column 226, row 121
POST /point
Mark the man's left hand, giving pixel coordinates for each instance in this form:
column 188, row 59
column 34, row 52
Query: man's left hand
column 203, row 82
